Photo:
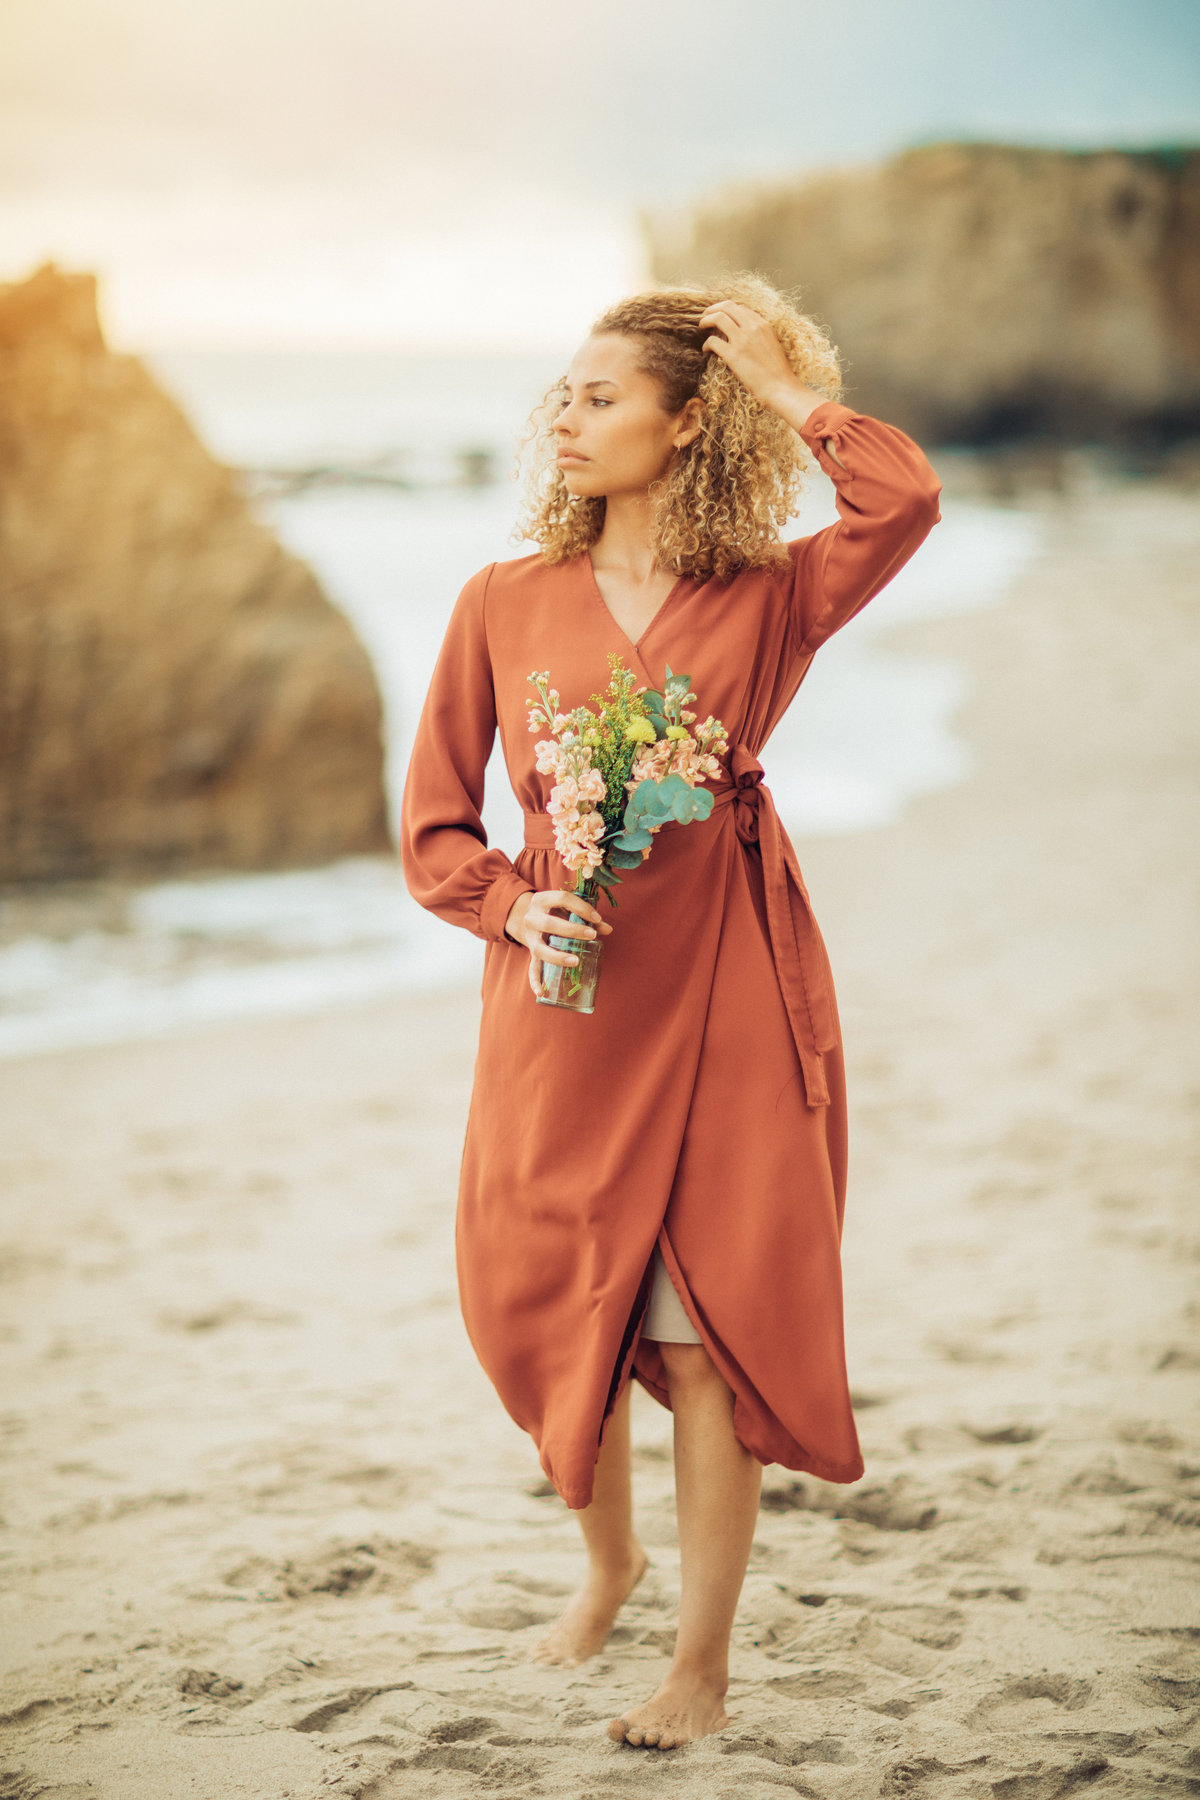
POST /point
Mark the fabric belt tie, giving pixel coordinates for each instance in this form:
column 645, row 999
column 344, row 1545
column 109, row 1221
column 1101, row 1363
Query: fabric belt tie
column 795, row 941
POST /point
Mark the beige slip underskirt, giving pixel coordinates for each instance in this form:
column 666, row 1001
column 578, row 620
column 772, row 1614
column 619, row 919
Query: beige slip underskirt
column 666, row 1322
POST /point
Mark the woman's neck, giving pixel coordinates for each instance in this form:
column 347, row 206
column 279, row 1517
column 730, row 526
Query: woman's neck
column 626, row 542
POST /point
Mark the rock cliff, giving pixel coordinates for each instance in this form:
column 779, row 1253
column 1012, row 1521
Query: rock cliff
column 979, row 291
column 175, row 689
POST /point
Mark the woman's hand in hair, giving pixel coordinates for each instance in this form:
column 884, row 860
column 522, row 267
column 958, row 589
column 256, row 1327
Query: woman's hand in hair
column 746, row 343
column 535, row 917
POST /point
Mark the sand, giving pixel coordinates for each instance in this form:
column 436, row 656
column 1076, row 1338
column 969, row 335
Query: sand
column 269, row 1532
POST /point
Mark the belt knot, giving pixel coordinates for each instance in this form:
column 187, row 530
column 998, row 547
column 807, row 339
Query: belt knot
column 746, row 773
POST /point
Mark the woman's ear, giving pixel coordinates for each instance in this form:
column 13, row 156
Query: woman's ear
column 691, row 423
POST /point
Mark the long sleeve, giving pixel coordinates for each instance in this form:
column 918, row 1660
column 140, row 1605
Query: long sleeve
column 447, row 863
column 887, row 496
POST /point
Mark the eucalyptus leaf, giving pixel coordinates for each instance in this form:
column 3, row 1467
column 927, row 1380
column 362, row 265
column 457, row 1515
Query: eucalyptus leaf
column 625, row 859
column 670, row 790
column 646, row 801
column 690, row 805
column 637, row 839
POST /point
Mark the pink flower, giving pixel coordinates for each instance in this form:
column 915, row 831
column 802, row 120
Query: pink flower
column 563, row 796
column 576, row 838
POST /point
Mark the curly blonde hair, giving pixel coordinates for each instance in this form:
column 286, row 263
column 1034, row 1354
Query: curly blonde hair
column 721, row 503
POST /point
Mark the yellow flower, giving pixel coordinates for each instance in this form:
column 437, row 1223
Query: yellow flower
column 677, row 731
column 639, row 731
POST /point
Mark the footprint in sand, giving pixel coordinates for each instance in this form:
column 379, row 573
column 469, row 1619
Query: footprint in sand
column 967, row 1351
column 496, row 1607
column 1014, row 1431
column 889, row 1506
column 341, row 1706
column 903, row 1704
column 517, row 1774
column 786, row 1752
column 338, row 1568
column 916, row 1775
column 533, row 1584
column 1051, row 1781
column 819, row 1684
column 207, row 1682
column 1026, row 1703
column 1173, row 1677
column 988, row 1591
column 937, row 1627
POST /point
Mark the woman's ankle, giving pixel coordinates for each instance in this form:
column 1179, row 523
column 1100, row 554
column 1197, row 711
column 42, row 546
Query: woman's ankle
column 703, row 1670
column 614, row 1567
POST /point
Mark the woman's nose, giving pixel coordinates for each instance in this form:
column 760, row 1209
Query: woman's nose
column 565, row 421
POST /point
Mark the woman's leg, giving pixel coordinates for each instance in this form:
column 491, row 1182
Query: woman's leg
column 616, row 1560
column 717, row 1486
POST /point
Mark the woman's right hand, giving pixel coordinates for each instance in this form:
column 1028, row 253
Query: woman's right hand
column 535, row 917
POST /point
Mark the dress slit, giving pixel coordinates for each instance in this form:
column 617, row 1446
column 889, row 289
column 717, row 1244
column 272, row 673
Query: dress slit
column 666, row 1320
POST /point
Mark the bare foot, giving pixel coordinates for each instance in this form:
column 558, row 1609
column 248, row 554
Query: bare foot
column 685, row 1707
column 584, row 1627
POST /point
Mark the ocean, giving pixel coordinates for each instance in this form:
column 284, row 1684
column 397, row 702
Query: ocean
column 416, row 497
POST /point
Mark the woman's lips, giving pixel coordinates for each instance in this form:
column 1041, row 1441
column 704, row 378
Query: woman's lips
column 571, row 456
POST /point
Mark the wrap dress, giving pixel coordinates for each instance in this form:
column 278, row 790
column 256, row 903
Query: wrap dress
column 702, row 1105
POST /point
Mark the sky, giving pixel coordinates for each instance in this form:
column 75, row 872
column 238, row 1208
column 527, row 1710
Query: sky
column 383, row 174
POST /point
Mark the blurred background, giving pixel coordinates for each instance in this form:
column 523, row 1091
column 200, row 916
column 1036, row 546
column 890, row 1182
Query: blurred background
column 337, row 255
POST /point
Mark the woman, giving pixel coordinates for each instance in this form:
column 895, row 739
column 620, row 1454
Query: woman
column 657, row 1190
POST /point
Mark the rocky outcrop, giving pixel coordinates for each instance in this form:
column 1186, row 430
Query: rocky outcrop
column 979, row 291
column 175, row 689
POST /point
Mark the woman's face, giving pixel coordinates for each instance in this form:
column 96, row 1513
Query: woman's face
column 613, row 435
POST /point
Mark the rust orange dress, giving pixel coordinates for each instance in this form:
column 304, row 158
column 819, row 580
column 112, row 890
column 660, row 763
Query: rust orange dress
column 702, row 1106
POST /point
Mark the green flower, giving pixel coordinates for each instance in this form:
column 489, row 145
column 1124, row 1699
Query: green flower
column 640, row 731
column 677, row 731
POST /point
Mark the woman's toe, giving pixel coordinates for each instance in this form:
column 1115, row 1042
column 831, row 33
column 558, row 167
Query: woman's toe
column 617, row 1730
column 635, row 1736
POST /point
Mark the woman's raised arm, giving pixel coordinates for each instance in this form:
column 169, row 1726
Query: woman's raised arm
column 447, row 863
column 887, row 496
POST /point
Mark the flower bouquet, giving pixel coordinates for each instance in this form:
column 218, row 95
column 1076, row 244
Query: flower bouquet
column 622, row 772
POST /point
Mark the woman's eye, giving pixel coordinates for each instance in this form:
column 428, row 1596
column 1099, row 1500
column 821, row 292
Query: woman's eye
column 598, row 400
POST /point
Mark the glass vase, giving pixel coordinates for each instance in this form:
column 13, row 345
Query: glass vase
column 573, row 985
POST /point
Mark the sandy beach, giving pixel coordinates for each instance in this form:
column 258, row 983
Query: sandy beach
column 268, row 1532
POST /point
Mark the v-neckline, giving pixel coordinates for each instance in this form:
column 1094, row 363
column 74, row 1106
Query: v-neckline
column 664, row 603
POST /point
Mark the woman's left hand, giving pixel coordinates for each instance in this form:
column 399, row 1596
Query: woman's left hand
column 751, row 349
column 743, row 340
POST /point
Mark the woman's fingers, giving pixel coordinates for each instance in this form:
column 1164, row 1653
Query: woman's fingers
column 585, row 909
column 543, row 920
column 541, row 911
column 733, row 312
column 549, row 922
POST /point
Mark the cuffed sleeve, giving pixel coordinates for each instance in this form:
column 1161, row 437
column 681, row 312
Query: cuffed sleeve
column 887, row 498
column 448, row 865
